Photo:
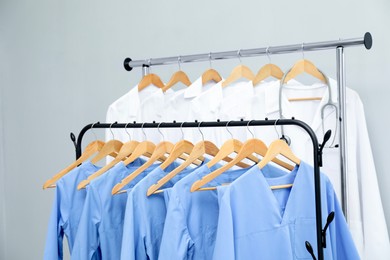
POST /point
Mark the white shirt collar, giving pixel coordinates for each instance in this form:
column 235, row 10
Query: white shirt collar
column 150, row 93
column 211, row 97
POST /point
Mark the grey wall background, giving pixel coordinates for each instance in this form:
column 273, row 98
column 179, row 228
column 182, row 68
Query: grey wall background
column 61, row 66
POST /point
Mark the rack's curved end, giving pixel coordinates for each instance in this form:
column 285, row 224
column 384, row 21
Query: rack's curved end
column 367, row 40
column 126, row 63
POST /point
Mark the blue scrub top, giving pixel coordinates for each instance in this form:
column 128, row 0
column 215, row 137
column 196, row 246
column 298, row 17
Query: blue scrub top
column 66, row 211
column 145, row 216
column 256, row 222
column 101, row 223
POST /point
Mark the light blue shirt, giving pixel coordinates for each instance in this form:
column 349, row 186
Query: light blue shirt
column 101, row 223
column 192, row 217
column 256, row 222
column 145, row 216
column 66, row 211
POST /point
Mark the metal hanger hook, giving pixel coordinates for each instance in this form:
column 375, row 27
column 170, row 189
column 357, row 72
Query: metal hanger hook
column 182, row 132
column 247, row 127
column 227, row 129
column 93, row 131
column 112, row 133
column 143, row 131
column 210, row 60
column 161, row 133
column 303, row 51
column 276, row 130
column 200, row 131
column 179, row 62
column 127, row 132
column 239, row 55
column 267, row 52
column 150, row 66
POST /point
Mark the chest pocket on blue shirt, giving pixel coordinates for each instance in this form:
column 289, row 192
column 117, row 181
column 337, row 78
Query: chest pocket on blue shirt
column 305, row 230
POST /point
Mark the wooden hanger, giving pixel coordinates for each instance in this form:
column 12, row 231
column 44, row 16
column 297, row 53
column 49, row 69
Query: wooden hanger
column 150, row 79
column 178, row 76
column 182, row 147
column 109, row 148
column 89, row 150
column 229, row 147
column 278, row 147
column 241, row 71
column 179, row 149
column 199, row 150
column 125, row 151
column 159, row 152
column 304, row 66
column 248, row 148
column 144, row 148
column 211, row 75
column 112, row 146
column 268, row 70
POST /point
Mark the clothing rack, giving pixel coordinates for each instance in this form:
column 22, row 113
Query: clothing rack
column 339, row 45
column 317, row 151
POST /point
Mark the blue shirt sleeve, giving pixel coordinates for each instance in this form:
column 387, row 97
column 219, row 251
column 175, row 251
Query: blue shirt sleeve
column 224, row 242
column 87, row 238
column 55, row 233
column 132, row 248
column 176, row 242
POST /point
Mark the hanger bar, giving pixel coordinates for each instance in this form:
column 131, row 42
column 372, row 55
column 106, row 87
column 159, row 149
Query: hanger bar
column 366, row 40
column 266, row 122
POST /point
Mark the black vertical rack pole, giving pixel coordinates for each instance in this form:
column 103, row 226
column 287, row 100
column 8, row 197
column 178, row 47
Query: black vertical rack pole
column 266, row 122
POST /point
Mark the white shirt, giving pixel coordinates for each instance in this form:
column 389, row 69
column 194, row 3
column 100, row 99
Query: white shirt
column 144, row 106
column 235, row 106
column 177, row 108
column 365, row 211
column 205, row 107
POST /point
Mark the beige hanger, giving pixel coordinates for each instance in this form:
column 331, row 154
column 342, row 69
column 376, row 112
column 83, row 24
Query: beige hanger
column 268, row 70
column 178, row 76
column 199, row 150
column 91, row 148
column 304, row 66
column 126, row 149
column 112, row 146
column 241, row 71
column 251, row 146
column 150, row 79
column 211, row 74
column 181, row 148
column 300, row 67
column 158, row 154
column 230, row 146
column 278, row 147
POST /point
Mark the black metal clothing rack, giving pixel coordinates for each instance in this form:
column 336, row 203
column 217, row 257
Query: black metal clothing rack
column 317, row 153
